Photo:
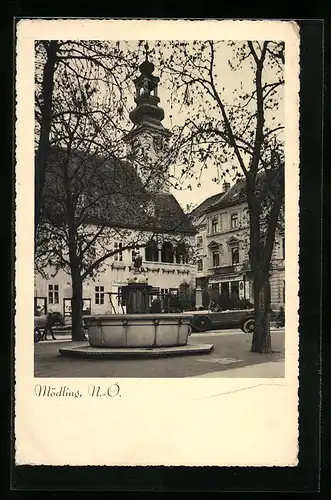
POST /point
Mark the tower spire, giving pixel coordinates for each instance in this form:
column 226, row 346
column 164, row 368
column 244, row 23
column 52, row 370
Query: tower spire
column 146, row 47
column 147, row 100
column 147, row 139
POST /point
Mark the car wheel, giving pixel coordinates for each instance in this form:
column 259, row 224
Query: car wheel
column 202, row 323
column 248, row 325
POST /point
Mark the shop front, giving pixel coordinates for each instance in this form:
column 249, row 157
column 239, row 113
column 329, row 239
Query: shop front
column 233, row 284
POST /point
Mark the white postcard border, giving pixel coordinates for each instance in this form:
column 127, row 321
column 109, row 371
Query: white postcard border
column 189, row 421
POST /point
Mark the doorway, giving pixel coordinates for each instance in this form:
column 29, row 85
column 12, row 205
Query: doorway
column 225, row 290
column 40, row 306
column 214, row 292
column 235, row 288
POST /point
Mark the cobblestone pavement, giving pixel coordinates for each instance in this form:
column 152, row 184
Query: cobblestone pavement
column 231, row 351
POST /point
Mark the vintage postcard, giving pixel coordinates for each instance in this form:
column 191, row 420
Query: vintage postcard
column 157, row 242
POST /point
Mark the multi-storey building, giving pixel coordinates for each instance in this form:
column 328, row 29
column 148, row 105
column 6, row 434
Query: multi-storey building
column 165, row 262
column 222, row 248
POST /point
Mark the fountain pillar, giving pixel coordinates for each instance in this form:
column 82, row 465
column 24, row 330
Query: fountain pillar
column 137, row 298
column 198, row 297
column 136, row 293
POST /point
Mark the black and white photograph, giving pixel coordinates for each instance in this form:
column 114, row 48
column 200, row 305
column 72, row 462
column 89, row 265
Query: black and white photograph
column 163, row 208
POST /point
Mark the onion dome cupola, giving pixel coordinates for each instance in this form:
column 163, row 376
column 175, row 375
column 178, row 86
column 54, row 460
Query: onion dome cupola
column 147, row 112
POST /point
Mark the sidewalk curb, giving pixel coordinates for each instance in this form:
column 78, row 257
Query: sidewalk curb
column 86, row 351
column 58, row 339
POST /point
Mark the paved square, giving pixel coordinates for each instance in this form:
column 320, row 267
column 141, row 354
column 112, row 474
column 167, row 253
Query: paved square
column 231, row 351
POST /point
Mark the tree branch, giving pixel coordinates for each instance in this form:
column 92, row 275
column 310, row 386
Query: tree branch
column 224, row 114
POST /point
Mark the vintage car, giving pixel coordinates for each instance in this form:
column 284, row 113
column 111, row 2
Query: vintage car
column 208, row 320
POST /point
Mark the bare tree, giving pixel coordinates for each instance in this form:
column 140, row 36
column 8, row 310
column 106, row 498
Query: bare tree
column 241, row 135
column 87, row 63
column 90, row 203
column 91, row 196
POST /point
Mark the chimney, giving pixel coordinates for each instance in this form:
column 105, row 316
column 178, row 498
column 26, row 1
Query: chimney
column 226, row 186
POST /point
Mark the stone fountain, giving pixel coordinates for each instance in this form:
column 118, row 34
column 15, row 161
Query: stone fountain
column 137, row 333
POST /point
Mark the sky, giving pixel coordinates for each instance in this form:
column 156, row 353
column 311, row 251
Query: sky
column 230, row 81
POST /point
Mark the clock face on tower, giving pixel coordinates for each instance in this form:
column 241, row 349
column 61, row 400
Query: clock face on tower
column 143, row 147
column 157, row 143
column 146, row 142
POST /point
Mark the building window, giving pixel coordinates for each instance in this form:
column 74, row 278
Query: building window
column 181, row 254
column 167, row 252
column 199, row 241
column 283, row 248
column 119, row 255
column 200, row 265
column 283, row 292
column 216, row 259
column 234, row 221
column 152, row 252
column 235, row 255
column 164, row 291
column 214, row 225
column 53, row 294
column 99, row 295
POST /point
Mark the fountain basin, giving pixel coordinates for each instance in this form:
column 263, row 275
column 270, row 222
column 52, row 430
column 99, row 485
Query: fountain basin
column 138, row 330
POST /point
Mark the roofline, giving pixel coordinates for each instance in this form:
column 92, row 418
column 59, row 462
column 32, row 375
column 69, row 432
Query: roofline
column 96, row 221
column 222, row 204
column 204, row 201
column 227, row 204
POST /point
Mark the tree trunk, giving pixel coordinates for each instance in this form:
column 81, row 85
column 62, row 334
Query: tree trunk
column 77, row 306
column 45, row 127
column 261, row 342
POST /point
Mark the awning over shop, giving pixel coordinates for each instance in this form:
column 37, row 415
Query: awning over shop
column 225, row 278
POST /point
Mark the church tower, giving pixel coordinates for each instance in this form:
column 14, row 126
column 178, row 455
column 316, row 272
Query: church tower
column 147, row 141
